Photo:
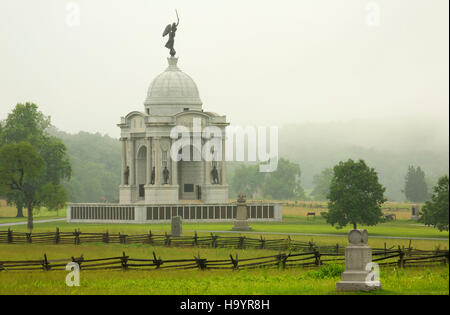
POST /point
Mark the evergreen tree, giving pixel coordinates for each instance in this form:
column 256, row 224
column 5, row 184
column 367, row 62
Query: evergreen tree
column 415, row 185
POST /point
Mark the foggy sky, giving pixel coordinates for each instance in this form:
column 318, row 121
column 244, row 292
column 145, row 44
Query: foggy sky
column 258, row 62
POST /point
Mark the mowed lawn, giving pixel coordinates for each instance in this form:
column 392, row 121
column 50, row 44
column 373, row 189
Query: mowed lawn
column 8, row 214
column 434, row 280
column 399, row 228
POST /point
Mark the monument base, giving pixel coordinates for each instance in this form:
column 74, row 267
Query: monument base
column 241, row 225
column 157, row 194
column 215, row 193
column 348, row 286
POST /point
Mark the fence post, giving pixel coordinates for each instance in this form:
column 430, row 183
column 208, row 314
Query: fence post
column 235, row 262
column 157, row 262
column 150, row 237
column 401, row 261
column 78, row 261
column 46, row 265
column 29, row 240
column 10, row 236
column 195, row 239
column 106, row 237
column 201, row 262
column 317, row 261
column 241, row 242
column 288, row 245
column 263, row 243
column 167, row 241
column 214, row 240
column 122, row 238
column 124, row 261
column 77, row 237
column 337, row 248
column 57, row 237
column 282, row 260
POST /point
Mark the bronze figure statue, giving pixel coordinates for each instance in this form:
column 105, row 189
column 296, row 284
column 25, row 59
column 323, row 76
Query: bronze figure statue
column 152, row 179
column 171, row 29
column 166, row 175
column 215, row 175
column 127, row 175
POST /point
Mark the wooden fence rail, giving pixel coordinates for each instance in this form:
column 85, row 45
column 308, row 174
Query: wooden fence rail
column 281, row 260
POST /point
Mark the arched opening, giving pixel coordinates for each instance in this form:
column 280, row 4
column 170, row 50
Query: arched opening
column 190, row 176
column 141, row 170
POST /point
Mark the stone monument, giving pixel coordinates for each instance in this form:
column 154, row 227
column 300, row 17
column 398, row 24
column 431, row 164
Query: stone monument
column 176, row 226
column 241, row 222
column 415, row 212
column 358, row 275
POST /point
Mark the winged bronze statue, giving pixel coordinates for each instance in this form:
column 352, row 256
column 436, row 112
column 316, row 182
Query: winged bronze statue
column 170, row 30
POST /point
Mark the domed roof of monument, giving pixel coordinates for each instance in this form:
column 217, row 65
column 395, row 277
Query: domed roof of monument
column 173, row 87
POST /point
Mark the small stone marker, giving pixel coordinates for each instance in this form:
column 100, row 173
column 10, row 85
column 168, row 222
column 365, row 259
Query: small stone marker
column 358, row 275
column 415, row 212
column 176, row 226
column 241, row 222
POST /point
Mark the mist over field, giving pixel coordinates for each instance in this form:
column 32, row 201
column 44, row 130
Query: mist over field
column 388, row 145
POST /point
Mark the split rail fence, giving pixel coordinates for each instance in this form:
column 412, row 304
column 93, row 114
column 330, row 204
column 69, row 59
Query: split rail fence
column 396, row 257
column 300, row 254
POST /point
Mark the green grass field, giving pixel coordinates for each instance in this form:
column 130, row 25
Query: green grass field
column 433, row 280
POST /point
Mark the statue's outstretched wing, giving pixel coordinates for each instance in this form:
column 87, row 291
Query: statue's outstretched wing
column 167, row 30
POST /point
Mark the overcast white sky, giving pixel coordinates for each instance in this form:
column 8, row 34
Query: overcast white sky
column 258, row 62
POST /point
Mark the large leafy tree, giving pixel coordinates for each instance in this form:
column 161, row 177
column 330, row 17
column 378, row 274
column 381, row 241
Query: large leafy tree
column 322, row 184
column 355, row 195
column 284, row 182
column 248, row 179
column 20, row 165
column 435, row 212
column 27, row 124
column 415, row 185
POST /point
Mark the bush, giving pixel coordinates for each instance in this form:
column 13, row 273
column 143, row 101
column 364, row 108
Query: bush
column 326, row 272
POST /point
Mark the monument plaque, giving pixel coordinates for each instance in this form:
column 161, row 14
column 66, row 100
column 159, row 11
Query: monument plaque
column 176, row 226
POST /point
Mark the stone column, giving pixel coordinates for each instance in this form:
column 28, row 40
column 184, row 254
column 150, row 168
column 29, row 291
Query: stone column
column 174, row 168
column 224, row 165
column 149, row 161
column 157, row 160
column 132, row 162
column 124, row 158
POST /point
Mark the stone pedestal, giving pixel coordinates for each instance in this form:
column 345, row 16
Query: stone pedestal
column 176, row 226
column 358, row 274
column 214, row 193
column 161, row 194
column 241, row 222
